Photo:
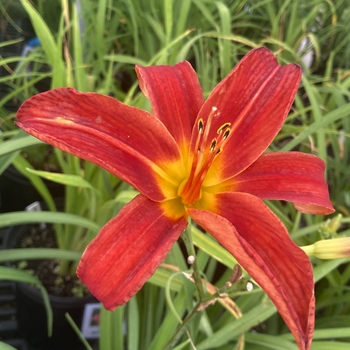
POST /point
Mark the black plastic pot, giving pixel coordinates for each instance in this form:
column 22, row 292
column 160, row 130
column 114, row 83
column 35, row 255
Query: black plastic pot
column 31, row 312
column 17, row 192
column 32, row 319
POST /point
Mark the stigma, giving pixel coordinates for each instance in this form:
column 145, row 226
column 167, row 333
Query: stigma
column 206, row 150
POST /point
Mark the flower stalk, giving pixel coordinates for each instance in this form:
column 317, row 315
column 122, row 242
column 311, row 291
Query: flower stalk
column 228, row 290
column 187, row 239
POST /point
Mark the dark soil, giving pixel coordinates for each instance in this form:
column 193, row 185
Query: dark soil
column 47, row 271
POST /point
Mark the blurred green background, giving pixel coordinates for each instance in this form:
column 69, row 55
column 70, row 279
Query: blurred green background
column 93, row 46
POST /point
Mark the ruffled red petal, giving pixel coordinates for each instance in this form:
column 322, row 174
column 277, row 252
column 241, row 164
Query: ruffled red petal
column 126, row 141
column 255, row 99
column 258, row 240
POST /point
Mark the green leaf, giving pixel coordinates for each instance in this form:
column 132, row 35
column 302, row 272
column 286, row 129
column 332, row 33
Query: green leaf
column 325, row 267
column 22, row 217
column 111, row 329
column 125, row 59
column 212, row 248
column 330, row 117
column 233, row 329
column 80, row 74
column 52, row 50
column 133, row 319
column 169, row 324
column 38, row 253
column 224, row 44
column 77, row 331
column 10, row 42
column 161, row 278
column 12, row 274
column 64, row 179
column 4, row 346
column 327, row 345
column 331, row 333
column 17, row 144
column 270, row 341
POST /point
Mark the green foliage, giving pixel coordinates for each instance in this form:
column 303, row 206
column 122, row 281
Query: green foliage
column 95, row 48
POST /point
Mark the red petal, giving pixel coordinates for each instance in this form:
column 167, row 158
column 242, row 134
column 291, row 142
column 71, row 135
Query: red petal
column 255, row 98
column 126, row 141
column 176, row 96
column 261, row 244
column 291, row 176
column 127, row 251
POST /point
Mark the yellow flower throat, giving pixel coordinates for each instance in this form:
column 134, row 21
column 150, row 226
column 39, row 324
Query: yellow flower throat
column 182, row 183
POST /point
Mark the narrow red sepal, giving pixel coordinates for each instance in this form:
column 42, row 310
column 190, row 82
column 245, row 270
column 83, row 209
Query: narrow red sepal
column 176, row 96
column 127, row 251
column 291, row 176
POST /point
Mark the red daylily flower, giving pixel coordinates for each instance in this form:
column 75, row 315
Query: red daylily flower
column 203, row 159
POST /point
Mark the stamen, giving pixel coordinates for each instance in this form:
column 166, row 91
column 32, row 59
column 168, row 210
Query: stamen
column 223, row 127
column 200, row 126
column 207, row 128
column 207, row 150
column 213, row 145
column 226, row 133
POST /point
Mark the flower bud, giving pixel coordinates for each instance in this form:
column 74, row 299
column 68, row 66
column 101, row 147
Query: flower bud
column 191, row 259
column 329, row 248
column 329, row 228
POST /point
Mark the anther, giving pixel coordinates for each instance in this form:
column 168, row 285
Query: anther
column 226, row 133
column 206, row 130
column 200, row 126
column 213, row 145
column 223, row 127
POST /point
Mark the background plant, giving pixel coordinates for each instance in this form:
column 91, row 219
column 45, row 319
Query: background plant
column 99, row 55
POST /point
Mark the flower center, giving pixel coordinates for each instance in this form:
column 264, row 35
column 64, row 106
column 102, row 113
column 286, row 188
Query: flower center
column 190, row 189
